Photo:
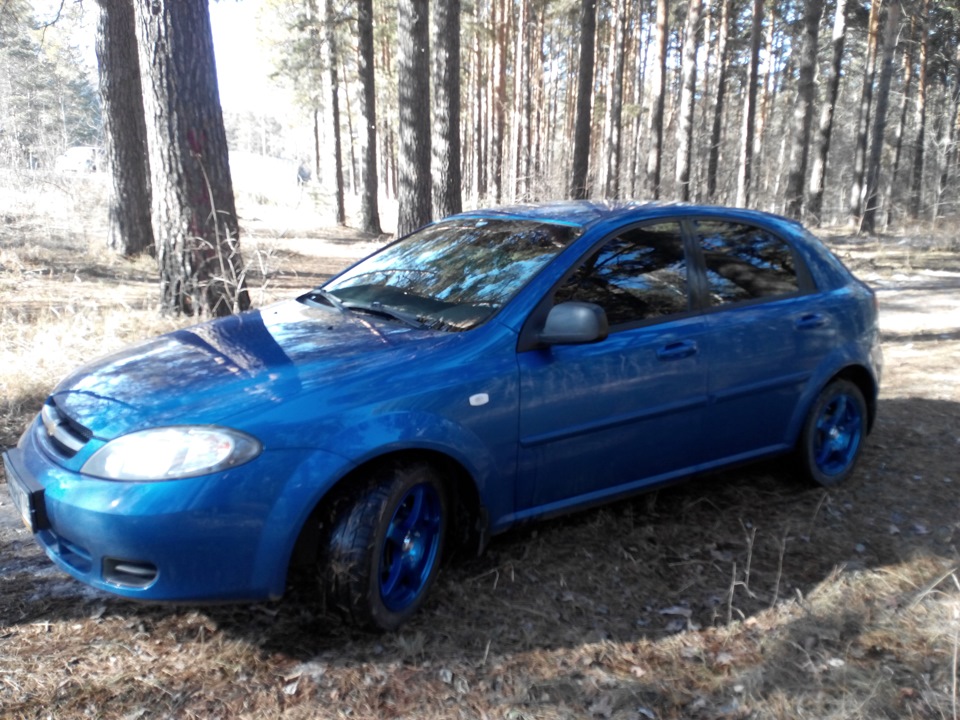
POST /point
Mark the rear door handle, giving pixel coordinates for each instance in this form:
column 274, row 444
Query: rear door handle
column 677, row 350
column 810, row 321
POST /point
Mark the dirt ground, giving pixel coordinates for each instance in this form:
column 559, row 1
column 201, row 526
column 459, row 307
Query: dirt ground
column 744, row 594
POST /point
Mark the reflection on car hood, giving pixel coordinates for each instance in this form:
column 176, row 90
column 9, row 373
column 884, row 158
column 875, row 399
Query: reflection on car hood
column 232, row 365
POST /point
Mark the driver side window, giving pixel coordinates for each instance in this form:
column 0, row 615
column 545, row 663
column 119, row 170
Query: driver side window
column 637, row 276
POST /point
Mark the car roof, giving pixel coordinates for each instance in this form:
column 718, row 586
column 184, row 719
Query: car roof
column 582, row 213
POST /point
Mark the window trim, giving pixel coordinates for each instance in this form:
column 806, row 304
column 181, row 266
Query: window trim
column 528, row 334
column 805, row 282
column 698, row 292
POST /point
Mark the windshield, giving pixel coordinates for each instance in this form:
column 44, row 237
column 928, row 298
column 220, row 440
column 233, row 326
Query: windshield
column 452, row 275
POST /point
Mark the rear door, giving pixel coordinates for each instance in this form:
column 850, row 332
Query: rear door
column 767, row 330
column 610, row 416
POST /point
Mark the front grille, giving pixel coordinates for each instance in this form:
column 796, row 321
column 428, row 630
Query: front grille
column 67, row 436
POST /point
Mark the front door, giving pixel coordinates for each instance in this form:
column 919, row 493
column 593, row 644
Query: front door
column 611, row 416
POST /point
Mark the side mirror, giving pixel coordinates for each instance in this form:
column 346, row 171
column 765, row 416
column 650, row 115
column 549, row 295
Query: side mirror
column 574, row 323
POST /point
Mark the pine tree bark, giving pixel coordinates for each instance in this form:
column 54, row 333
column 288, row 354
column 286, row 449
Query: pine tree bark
column 688, row 87
column 825, row 129
column 520, row 149
column 890, row 33
column 330, row 24
column 124, row 128
column 655, row 126
column 803, row 109
column 193, row 211
column 447, row 198
column 745, row 168
column 919, row 153
column 413, row 77
column 581, row 135
column 499, row 78
column 863, row 122
column 893, row 175
column 370, row 190
column 614, row 122
column 716, row 131
column 480, row 105
column 640, row 32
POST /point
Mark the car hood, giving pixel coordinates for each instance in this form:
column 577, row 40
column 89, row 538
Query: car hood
column 230, row 366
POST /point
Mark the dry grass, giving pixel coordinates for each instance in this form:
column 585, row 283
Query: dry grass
column 739, row 595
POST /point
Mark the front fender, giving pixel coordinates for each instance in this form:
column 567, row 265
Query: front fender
column 491, row 464
column 317, row 472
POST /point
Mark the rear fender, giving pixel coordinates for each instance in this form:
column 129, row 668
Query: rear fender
column 842, row 360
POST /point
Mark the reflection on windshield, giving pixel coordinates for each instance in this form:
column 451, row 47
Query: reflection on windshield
column 455, row 274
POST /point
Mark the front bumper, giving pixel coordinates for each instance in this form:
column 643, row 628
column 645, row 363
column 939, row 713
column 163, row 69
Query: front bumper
column 221, row 537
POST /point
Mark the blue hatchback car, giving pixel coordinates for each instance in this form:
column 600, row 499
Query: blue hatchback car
column 495, row 367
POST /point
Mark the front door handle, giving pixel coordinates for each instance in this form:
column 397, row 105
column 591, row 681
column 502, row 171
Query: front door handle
column 677, row 350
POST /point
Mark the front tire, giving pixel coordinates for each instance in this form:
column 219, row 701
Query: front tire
column 385, row 546
column 833, row 433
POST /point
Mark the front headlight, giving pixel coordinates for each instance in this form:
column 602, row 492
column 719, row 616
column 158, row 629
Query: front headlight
column 170, row 453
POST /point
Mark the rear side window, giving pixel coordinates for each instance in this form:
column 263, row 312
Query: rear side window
column 636, row 276
column 744, row 262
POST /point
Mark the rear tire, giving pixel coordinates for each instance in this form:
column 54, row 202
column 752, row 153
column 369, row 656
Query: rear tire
column 385, row 546
column 833, row 434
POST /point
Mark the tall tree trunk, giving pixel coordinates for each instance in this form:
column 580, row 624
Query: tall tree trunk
column 745, row 169
column 946, row 145
column 713, row 162
column 863, row 122
column 539, row 110
column 413, row 78
column 330, row 23
column 615, row 103
column 892, row 176
column 369, row 200
column 522, row 101
column 581, row 135
column 768, row 89
column 890, row 33
column 351, row 144
column 916, row 183
column 688, row 87
column 825, row 130
column 803, row 109
column 500, row 95
column 479, row 105
column 447, row 199
column 657, row 91
column 641, row 35
column 125, row 131
column 193, row 211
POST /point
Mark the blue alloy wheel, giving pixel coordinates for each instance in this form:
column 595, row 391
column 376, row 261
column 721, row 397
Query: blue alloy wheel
column 385, row 545
column 838, row 435
column 833, row 434
column 411, row 547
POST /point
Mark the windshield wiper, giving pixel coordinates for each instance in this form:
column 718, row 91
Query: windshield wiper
column 326, row 296
column 381, row 310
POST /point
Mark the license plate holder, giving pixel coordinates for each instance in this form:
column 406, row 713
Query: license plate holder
column 27, row 496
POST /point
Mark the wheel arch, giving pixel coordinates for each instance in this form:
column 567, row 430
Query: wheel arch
column 468, row 523
column 864, row 380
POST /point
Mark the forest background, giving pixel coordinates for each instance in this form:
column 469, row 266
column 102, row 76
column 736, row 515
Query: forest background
column 742, row 595
column 832, row 112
